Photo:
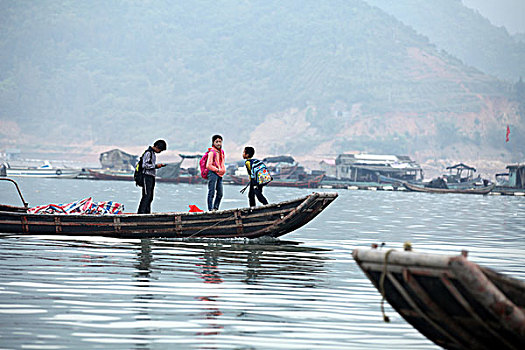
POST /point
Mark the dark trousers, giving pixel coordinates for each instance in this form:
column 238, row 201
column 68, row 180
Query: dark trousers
column 214, row 190
column 256, row 191
column 147, row 195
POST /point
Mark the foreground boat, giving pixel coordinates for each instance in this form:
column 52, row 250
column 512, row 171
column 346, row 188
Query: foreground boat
column 271, row 220
column 474, row 190
column 453, row 302
column 311, row 183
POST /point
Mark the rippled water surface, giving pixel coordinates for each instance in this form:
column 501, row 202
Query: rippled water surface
column 303, row 291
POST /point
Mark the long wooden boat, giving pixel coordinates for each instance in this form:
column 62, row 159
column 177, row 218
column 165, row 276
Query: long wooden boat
column 453, row 302
column 474, row 190
column 312, row 183
column 101, row 175
column 272, row 220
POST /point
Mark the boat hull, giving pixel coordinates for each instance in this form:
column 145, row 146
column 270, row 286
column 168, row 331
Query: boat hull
column 450, row 300
column 480, row 190
column 271, row 220
column 44, row 173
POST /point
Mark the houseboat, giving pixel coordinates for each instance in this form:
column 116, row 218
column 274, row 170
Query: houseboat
column 511, row 182
column 377, row 168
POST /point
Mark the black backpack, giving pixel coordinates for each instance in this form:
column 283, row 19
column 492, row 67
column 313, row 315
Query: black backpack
column 138, row 175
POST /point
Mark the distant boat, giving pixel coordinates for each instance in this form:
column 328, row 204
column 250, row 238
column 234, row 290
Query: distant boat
column 512, row 182
column 308, row 183
column 455, row 303
column 44, row 171
column 461, row 176
column 128, row 176
column 370, row 167
column 474, row 190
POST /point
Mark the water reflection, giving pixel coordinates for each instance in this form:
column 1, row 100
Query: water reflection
column 221, row 267
column 142, row 277
column 210, row 274
column 245, row 262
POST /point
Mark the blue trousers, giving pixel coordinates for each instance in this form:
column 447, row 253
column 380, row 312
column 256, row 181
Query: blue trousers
column 214, row 190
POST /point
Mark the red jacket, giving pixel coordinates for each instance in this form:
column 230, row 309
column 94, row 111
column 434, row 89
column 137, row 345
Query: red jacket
column 216, row 162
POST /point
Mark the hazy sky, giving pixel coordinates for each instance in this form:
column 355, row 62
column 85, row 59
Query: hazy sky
column 508, row 13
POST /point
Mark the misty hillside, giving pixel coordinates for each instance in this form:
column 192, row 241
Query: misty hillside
column 296, row 77
column 464, row 33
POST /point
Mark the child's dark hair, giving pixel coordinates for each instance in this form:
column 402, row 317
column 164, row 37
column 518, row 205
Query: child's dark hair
column 160, row 144
column 250, row 151
column 215, row 137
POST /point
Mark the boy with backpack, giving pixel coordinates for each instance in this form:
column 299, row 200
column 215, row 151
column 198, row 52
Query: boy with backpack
column 259, row 176
column 215, row 166
column 145, row 173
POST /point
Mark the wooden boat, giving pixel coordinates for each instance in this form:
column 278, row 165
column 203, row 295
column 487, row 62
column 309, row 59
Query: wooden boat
column 461, row 176
column 474, row 190
column 271, row 220
column 125, row 176
column 453, row 302
column 311, row 183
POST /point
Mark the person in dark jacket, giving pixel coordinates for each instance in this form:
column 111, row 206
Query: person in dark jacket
column 149, row 166
column 255, row 190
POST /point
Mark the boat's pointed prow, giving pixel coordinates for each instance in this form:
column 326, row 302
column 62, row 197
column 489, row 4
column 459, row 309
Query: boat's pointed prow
column 452, row 301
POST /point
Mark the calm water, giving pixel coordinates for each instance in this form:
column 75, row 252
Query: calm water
column 302, row 292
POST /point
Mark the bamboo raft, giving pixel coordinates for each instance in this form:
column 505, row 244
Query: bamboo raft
column 455, row 303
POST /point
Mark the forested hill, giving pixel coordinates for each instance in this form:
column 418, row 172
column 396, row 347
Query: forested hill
column 464, row 33
column 298, row 77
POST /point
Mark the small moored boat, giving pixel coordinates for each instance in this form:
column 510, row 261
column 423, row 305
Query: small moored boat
column 474, row 190
column 46, row 170
column 309, row 183
column 453, row 302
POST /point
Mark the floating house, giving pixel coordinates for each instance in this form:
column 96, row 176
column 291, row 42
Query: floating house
column 118, row 160
column 375, row 168
column 515, row 178
column 517, row 175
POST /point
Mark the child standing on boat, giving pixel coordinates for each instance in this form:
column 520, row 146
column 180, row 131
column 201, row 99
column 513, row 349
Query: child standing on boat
column 216, row 167
column 149, row 166
column 255, row 190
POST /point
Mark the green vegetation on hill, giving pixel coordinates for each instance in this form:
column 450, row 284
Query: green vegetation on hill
column 125, row 72
column 463, row 33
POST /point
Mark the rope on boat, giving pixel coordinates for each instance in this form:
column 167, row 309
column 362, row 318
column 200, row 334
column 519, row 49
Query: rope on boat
column 382, row 285
column 215, row 224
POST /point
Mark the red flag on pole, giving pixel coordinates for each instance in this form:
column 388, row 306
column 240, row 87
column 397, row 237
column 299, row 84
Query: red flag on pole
column 508, row 133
